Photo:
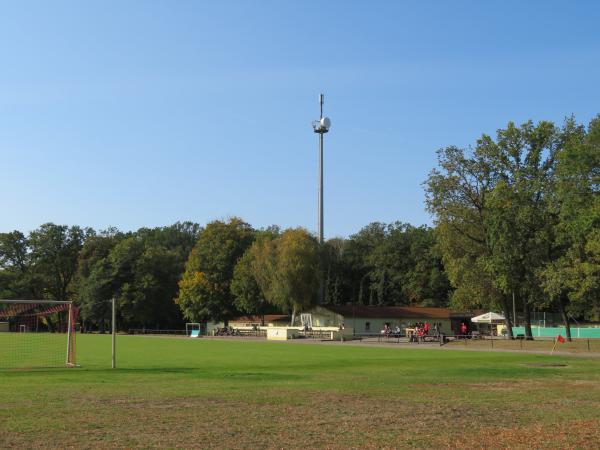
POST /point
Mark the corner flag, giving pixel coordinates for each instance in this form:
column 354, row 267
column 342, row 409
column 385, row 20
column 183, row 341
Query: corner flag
column 558, row 339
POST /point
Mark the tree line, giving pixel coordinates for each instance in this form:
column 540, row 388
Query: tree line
column 515, row 217
column 162, row 277
column 518, row 217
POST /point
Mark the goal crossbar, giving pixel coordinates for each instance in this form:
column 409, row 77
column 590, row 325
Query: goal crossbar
column 37, row 333
column 37, row 302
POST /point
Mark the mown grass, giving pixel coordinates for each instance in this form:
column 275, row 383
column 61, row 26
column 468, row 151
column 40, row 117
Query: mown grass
column 185, row 393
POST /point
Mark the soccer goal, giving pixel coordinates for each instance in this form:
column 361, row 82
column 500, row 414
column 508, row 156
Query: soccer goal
column 37, row 333
column 192, row 330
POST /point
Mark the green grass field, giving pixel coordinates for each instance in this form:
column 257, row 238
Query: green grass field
column 184, row 393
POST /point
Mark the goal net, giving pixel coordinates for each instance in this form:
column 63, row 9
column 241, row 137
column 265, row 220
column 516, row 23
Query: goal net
column 37, row 333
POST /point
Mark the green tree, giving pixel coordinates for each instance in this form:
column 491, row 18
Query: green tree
column 17, row 277
column 572, row 278
column 141, row 270
column 494, row 213
column 394, row 264
column 54, row 254
column 358, row 257
column 95, row 280
column 519, row 219
column 205, row 287
column 383, row 289
column 457, row 195
column 338, row 286
column 248, row 297
column 287, row 269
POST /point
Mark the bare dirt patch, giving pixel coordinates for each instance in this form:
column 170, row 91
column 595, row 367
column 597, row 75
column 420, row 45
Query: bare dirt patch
column 319, row 420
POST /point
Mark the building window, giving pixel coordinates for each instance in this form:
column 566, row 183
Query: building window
column 367, row 326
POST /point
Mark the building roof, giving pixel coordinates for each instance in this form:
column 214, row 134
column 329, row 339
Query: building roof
column 395, row 312
column 258, row 319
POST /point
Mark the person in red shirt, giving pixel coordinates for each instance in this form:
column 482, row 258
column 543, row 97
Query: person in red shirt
column 463, row 329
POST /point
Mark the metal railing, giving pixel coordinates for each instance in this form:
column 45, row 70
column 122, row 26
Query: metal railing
column 155, row 331
column 488, row 342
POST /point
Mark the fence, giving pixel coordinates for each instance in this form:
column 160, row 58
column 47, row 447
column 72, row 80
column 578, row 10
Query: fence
column 324, row 335
column 154, row 331
column 577, row 345
column 552, row 332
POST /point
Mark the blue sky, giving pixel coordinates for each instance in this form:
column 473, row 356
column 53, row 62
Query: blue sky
column 134, row 114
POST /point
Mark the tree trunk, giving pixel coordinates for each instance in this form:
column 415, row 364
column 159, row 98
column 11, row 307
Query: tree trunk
column 361, row 292
column 563, row 312
column 50, row 324
column 293, row 316
column 507, row 321
column 527, row 314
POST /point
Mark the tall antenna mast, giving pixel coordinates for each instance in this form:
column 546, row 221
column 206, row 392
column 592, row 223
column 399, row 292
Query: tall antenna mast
column 321, row 101
column 321, row 127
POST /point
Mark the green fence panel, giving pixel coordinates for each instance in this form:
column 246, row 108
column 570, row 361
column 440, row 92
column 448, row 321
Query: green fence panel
column 552, row 332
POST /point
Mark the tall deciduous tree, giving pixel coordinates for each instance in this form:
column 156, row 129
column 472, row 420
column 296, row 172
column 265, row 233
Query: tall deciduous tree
column 287, row 269
column 394, row 264
column 141, row 270
column 457, row 194
column 494, row 215
column 205, row 287
column 572, row 278
column 96, row 282
column 247, row 294
column 519, row 219
column 338, row 283
column 17, row 277
column 54, row 253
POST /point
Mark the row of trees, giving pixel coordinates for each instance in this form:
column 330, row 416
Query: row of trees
column 140, row 269
column 519, row 216
column 163, row 276
column 516, row 217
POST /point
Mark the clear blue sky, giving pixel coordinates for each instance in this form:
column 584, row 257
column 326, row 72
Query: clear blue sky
column 144, row 113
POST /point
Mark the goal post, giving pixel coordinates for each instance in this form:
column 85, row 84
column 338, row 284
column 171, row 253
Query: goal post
column 37, row 333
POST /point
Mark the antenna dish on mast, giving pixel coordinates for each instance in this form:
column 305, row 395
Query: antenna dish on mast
column 322, row 125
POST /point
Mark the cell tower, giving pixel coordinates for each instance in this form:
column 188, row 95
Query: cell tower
column 321, row 127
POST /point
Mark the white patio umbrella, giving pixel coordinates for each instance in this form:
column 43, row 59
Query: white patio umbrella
column 489, row 317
